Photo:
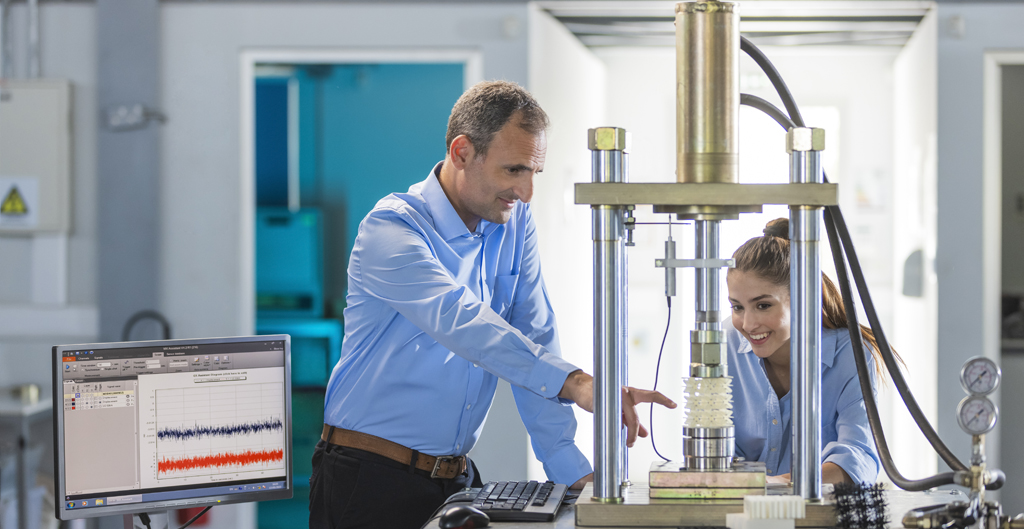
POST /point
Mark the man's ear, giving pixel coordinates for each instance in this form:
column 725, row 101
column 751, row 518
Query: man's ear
column 461, row 152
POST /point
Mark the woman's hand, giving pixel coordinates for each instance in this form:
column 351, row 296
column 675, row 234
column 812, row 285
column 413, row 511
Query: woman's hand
column 579, row 388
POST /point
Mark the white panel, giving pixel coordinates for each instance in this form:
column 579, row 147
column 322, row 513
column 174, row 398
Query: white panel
column 915, row 332
column 35, row 140
column 30, row 320
column 50, row 269
column 569, row 81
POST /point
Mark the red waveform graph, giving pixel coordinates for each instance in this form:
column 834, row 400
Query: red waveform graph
column 219, row 461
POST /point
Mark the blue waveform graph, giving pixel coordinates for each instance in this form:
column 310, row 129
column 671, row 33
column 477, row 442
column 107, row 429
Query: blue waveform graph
column 188, row 433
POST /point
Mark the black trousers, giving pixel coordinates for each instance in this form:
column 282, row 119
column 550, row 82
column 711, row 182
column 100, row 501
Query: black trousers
column 353, row 488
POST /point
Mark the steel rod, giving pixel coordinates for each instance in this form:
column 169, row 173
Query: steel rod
column 805, row 331
column 609, row 337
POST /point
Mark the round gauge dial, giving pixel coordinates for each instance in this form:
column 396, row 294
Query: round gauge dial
column 977, row 414
column 980, row 376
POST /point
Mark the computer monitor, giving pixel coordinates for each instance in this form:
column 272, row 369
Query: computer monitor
column 158, row 425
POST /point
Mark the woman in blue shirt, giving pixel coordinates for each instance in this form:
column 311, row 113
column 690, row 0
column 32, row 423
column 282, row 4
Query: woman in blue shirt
column 762, row 403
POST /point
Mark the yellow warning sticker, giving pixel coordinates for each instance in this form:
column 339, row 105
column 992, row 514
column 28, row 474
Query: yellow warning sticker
column 19, row 203
column 14, row 203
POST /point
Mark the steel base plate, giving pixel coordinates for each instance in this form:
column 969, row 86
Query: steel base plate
column 674, row 475
column 638, row 510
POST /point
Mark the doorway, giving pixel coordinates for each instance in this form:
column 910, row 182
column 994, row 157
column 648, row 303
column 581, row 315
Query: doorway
column 329, row 134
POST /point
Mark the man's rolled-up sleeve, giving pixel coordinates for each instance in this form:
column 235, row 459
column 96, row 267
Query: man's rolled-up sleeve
column 395, row 264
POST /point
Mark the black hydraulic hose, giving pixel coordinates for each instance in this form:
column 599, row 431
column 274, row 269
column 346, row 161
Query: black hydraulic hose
column 888, row 358
column 832, row 215
column 847, row 245
column 773, row 111
column 768, row 68
column 864, row 376
column 883, row 346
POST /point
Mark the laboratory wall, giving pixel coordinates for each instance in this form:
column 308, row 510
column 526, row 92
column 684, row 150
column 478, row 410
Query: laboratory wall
column 570, row 83
column 29, row 327
column 915, row 302
column 968, row 203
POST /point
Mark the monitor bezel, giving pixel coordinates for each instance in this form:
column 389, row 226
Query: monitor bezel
column 61, row 510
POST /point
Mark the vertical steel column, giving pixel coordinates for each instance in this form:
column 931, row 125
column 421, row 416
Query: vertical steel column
column 607, row 145
column 804, row 146
column 624, row 324
column 707, row 279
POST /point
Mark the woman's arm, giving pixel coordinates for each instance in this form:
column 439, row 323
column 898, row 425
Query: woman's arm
column 830, row 473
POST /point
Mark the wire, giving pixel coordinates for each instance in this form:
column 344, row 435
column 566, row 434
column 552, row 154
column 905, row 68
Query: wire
column 196, row 517
column 144, row 518
column 886, row 352
column 657, row 370
column 838, row 232
column 865, row 382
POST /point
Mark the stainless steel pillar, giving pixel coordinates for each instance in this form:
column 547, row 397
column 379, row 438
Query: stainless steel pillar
column 624, row 328
column 607, row 145
column 804, row 146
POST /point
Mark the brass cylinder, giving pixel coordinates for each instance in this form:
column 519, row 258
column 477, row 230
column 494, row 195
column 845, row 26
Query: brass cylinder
column 707, row 92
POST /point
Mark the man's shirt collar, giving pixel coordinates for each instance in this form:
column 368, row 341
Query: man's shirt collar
column 447, row 221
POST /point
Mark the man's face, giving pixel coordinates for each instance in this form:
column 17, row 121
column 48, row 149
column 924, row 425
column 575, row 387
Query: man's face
column 491, row 184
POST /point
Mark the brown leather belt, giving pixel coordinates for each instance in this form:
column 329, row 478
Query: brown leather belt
column 442, row 467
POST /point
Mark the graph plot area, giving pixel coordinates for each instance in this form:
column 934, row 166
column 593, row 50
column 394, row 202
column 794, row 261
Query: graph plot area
column 229, row 429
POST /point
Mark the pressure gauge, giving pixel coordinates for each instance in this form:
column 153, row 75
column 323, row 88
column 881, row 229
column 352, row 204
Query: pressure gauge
column 980, row 376
column 976, row 414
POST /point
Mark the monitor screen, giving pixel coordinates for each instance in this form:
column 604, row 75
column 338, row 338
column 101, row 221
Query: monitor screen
column 158, row 425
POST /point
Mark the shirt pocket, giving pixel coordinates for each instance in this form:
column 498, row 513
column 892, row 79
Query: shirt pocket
column 504, row 294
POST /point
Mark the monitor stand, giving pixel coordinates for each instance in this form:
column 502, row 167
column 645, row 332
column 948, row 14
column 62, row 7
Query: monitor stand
column 156, row 521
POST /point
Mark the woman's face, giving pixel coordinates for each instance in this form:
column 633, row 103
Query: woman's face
column 760, row 311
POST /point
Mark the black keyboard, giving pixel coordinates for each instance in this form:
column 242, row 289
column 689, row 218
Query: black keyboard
column 520, row 501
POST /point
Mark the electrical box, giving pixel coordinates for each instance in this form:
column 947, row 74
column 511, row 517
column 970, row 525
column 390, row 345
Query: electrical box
column 35, row 156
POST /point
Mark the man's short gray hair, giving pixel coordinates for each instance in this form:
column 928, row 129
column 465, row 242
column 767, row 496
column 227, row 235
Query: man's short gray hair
column 487, row 106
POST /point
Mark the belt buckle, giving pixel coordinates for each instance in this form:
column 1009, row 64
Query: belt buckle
column 437, row 464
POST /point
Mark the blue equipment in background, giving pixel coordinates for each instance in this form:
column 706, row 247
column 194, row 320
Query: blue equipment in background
column 289, row 263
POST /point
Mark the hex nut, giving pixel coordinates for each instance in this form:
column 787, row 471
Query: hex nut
column 805, row 139
column 707, row 353
column 608, row 139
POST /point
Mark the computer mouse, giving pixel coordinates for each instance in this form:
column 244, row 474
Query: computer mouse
column 463, row 517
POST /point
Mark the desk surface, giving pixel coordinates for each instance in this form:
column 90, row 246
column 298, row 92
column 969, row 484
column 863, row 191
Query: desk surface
column 16, row 408
column 900, row 502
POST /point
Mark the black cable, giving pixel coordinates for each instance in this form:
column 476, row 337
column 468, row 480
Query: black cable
column 876, row 327
column 864, row 377
column 887, row 355
column 773, row 75
column 838, row 225
column 144, row 518
column 764, row 106
column 196, row 517
column 657, row 370
column 165, row 326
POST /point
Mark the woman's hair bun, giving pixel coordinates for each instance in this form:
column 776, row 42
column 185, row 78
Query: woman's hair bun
column 778, row 228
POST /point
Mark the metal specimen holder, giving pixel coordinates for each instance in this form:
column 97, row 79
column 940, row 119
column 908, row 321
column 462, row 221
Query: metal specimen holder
column 706, row 192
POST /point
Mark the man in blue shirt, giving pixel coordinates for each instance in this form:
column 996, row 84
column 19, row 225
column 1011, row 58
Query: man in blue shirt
column 445, row 296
